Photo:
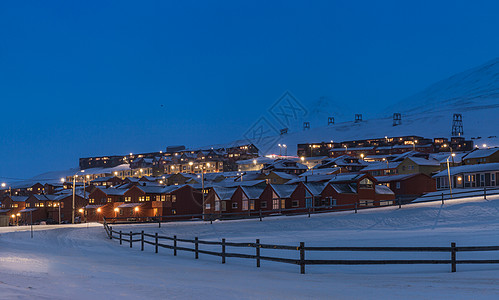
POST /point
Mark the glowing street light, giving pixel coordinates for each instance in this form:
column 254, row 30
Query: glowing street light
column 448, row 173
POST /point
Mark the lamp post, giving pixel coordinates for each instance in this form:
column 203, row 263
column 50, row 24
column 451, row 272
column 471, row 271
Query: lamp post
column 448, row 173
column 74, row 194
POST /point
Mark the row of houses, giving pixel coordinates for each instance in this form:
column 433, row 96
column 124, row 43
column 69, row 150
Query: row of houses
column 150, row 200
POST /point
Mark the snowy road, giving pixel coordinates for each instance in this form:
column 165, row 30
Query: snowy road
column 81, row 263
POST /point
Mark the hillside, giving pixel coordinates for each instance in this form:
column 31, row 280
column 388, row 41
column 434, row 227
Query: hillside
column 473, row 93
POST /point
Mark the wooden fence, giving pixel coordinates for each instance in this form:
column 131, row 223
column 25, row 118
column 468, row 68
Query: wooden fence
column 300, row 250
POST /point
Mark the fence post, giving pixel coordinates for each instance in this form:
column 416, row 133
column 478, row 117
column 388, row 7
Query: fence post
column 211, row 218
column 260, row 214
column 111, row 232
column 156, row 241
column 442, row 198
column 302, row 257
column 453, row 256
column 257, row 246
column 174, row 245
column 309, row 212
column 121, row 241
column 142, row 241
column 355, row 207
column 159, row 224
column 400, row 202
column 196, row 247
column 131, row 240
column 485, row 193
column 223, row 251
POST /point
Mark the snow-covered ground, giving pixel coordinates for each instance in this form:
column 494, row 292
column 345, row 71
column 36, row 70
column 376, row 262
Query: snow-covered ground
column 80, row 262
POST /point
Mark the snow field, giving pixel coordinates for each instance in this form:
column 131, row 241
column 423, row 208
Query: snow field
column 82, row 263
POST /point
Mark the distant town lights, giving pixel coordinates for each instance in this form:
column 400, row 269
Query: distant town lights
column 3, row 184
column 63, row 180
column 484, row 145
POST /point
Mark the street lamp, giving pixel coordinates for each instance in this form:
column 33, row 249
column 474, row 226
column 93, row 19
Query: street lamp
column 74, row 196
column 448, row 173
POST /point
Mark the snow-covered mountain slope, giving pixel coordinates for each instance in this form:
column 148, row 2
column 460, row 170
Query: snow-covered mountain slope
column 473, row 93
column 474, row 89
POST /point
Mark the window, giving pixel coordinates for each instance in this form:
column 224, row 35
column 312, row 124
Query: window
column 397, row 185
column 148, row 198
column 234, row 204
column 27, row 205
column 121, row 211
column 294, row 203
column 245, row 204
column 217, row 205
column 163, row 198
column 366, row 202
column 91, row 200
column 263, row 204
column 308, row 202
column 128, row 199
column 283, row 203
column 109, row 199
column 174, row 198
column 224, row 205
column 208, row 206
column 252, row 204
column 14, row 205
column 366, row 183
column 141, row 199
column 275, row 203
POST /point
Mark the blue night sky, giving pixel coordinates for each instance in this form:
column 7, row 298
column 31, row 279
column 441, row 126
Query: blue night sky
column 114, row 77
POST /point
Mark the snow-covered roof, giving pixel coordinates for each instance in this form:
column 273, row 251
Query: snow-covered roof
column 381, row 166
column 481, row 153
column 113, row 191
column 425, row 162
column 285, row 175
column 224, row 193
column 469, row 169
column 390, row 178
column 323, row 171
column 345, row 177
column 283, row 190
column 383, row 190
column 19, row 198
column 315, row 188
column 252, row 192
column 343, row 188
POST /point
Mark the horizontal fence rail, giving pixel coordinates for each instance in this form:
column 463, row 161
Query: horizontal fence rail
column 300, row 250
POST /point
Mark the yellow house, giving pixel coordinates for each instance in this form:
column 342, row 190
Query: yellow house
column 415, row 165
column 482, row 156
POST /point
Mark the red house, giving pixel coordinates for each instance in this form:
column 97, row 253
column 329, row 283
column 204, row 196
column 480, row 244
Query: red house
column 409, row 186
